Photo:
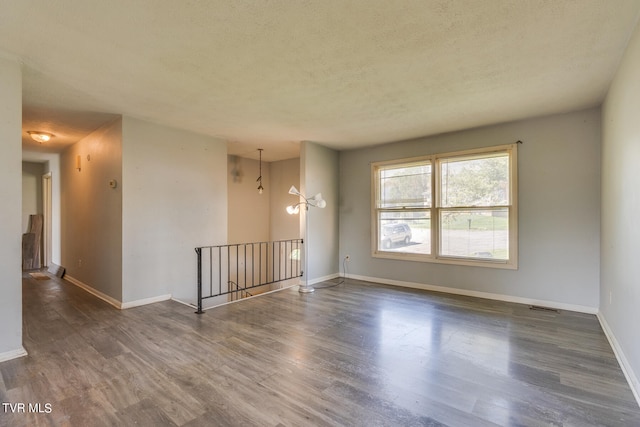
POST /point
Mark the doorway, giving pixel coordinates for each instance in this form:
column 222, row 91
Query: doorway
column 47, row 212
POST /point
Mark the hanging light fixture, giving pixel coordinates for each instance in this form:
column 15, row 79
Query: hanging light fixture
column 259, row 180
column 317, row 202
column 40, row 136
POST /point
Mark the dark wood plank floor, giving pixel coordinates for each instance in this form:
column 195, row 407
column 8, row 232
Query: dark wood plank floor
column 353, row 354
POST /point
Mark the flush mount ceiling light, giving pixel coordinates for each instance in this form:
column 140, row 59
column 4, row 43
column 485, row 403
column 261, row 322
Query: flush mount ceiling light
column 40, row 136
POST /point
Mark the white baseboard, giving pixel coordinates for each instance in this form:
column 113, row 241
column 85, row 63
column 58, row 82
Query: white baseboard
column 13, row 354
column 478, row 294
column 144, row 301
column 114, row 302
column 184, row 302
column 300, row 280
column 631, row 377
column 286, row 286
column 323, row 279
column 104, row 297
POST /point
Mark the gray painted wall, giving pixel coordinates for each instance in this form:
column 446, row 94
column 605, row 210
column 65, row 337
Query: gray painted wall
column 559, row 211
column 620, row 275
column 174, row 189
column 319, row 174
column 248, row 211
column 284, row 174
column 91, row 211
column 11, row 209
column 260, row 218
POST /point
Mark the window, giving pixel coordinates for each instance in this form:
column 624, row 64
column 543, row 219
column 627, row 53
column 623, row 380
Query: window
column 470, row 218
column 404, row 207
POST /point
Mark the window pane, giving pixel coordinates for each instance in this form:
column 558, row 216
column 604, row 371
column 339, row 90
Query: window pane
column 407, row 186
column 475, row 181
column 408, row 232
column 478, row 234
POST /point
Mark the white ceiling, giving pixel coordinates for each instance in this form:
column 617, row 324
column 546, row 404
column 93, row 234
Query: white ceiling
column 342, row 73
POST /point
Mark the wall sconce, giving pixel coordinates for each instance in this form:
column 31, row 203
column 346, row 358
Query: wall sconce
column 40, row 136
column 259, row 180
column 236, row 172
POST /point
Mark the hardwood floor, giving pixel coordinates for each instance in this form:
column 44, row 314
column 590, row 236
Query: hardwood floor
column 353, row 354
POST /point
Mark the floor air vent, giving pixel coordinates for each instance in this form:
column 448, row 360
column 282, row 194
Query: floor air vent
column 540, row 308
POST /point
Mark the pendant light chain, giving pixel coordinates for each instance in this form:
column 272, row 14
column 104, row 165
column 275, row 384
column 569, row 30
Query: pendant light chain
column 259, row 180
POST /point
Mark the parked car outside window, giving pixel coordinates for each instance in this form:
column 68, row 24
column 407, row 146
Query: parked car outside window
column 392, row 234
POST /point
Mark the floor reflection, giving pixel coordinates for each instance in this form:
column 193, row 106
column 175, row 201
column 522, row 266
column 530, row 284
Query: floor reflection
column 414, row 349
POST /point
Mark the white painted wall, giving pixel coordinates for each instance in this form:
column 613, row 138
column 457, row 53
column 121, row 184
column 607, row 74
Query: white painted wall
column 31, row 191
column 53, row 166
column 620, row 269
column 11, row 210
column 319, row 174
column 284, row 174
column 174, row 189
column 559, row 211
column 248, row 211
column 91, row 211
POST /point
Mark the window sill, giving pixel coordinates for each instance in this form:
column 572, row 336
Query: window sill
column 500, row 264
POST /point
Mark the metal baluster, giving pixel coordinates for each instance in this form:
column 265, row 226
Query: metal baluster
column 199, row 257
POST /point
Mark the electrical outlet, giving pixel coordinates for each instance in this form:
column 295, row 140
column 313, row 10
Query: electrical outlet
column 610, row 297
column 79, row 263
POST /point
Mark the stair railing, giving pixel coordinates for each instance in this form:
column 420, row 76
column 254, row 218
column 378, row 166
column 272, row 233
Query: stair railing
column 229, row 269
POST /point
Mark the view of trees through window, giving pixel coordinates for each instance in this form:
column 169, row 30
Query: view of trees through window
column 471, row 205
column 475, row 182
column 406, row 186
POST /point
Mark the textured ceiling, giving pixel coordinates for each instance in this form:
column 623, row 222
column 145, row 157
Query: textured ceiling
column 341, row 73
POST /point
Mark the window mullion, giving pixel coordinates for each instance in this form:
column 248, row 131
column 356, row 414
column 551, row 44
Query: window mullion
column 435, row 211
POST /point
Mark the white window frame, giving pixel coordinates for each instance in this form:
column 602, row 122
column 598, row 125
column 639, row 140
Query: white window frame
column 436, row 208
